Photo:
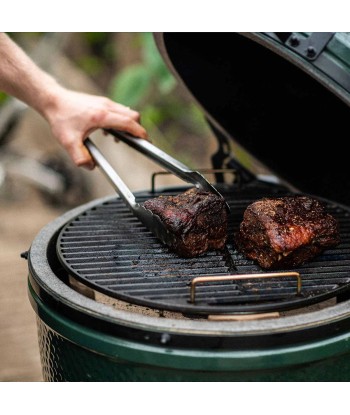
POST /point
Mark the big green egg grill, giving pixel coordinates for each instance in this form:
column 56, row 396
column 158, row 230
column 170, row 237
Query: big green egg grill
column 114, row 304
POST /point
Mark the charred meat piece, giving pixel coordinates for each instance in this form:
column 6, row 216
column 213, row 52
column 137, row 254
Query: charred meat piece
column 197, row 219
column 286, row 232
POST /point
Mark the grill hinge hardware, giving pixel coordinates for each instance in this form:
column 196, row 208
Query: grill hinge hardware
column 309, row 47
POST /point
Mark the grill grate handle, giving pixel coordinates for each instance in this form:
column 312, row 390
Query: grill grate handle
column 197, row 280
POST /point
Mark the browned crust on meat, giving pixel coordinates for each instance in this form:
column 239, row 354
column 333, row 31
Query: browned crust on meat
column 197, row 219
column 286, row 232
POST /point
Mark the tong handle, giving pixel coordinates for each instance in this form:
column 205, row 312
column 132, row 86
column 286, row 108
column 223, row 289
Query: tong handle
column 154, row 153
column 121, row 188
column 166, row 161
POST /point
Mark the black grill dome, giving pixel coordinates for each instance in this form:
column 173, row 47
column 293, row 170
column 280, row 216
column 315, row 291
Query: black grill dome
column 289, row 112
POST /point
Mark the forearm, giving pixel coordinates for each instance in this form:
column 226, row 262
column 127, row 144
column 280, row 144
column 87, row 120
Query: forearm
column 71, row 115
column 20, row 77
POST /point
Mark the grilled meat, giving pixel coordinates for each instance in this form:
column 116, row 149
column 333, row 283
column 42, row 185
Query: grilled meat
column 196, row 218
column 286, row 232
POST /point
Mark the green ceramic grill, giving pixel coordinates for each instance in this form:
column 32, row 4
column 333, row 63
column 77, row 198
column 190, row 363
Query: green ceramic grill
column 114, row 304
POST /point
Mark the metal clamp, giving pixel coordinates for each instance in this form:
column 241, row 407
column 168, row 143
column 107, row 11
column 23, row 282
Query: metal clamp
column 211, row 278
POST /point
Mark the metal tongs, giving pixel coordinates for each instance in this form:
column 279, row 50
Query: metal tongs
column 151, row 221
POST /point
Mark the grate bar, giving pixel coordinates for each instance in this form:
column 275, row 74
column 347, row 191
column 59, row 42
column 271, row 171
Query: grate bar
column 112, row 274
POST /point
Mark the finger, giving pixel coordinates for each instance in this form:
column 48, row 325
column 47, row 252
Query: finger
column 119, row 108
column 126, row 124
column 81, row 155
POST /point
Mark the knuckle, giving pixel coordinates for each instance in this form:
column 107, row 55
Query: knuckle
column 98, row 117
column 136, row 115
column 107, row 103
column 67, row 141
column 125, row 120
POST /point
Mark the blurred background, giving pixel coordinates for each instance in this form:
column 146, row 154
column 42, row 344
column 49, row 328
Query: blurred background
column 123, row 66
column 38, row 182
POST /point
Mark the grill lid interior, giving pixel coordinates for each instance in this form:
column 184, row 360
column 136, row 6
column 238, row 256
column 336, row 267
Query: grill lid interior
column 272, row 101
column 109, row 250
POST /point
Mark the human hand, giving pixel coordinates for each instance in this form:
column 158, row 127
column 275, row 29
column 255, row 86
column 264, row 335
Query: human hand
column 74, row 115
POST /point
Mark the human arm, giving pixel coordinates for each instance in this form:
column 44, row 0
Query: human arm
column 71, row 115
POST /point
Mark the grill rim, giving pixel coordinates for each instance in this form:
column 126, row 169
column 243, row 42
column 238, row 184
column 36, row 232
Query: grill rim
column 55, row 292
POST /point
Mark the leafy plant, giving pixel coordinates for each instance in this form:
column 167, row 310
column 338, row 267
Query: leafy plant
column 137, row 82
column 150, row 88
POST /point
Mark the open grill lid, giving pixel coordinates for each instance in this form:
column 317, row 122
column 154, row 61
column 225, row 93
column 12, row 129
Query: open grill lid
column 284, row 97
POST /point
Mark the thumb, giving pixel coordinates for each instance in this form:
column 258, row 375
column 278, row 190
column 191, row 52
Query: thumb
column 81, row 156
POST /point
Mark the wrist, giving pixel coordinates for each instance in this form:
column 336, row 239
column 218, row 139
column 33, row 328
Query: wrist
column 48, row 99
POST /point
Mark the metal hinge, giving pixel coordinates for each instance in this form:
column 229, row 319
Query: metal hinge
column 309, row 47
column 312, row 46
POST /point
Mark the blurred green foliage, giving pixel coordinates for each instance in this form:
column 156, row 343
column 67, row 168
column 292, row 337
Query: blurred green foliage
column 3, row 97
column 99, row 53
column 138, row 82
column 149, row 87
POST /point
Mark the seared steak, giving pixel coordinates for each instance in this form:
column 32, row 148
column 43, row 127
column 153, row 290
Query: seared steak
column 196, row 218
column 286, row 232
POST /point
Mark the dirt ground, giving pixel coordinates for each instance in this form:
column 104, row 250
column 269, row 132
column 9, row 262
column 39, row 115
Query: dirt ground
column 19, row 353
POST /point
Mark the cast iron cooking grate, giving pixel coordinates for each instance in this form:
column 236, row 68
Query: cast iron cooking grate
column 108, row 249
